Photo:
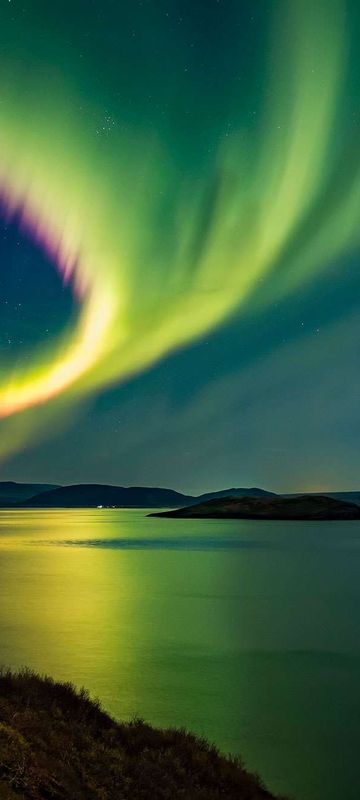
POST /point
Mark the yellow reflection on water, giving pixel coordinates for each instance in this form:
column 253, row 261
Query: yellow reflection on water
column 74, row 605
column 57, row 602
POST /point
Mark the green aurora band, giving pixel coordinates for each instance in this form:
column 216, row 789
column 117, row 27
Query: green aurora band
column 158, row 255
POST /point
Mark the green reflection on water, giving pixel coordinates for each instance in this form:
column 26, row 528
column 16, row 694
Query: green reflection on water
column 245, row 632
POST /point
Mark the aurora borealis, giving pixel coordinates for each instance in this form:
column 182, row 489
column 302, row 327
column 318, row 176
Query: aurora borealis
column 188, row 173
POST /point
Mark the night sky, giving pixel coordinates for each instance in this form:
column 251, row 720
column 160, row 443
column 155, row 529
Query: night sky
column 179, row 243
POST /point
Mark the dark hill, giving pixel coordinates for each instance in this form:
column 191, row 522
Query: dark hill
column 306, row 507
column 12, row 492
column 91, row 495
column 56, row 744
column 241, row 492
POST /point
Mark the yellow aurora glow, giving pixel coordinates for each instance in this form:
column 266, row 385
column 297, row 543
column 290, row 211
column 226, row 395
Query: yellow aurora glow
column 272, row 209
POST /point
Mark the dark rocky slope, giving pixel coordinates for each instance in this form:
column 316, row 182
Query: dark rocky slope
column 56, row 744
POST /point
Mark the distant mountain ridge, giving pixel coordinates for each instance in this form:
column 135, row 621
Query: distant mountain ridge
column 13, row 492
column 93, row 495
column 351, row 497
column 254, row 491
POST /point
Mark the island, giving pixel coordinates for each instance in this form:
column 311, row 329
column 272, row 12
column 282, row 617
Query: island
column 57, row 744
column 300, row 507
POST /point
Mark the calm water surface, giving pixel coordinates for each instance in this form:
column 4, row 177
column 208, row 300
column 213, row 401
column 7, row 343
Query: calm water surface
column 246, row 632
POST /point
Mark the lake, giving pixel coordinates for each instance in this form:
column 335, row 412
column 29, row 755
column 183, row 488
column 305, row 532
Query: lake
column 246, row 632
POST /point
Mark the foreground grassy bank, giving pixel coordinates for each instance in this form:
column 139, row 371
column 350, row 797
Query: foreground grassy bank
column 57, row 744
